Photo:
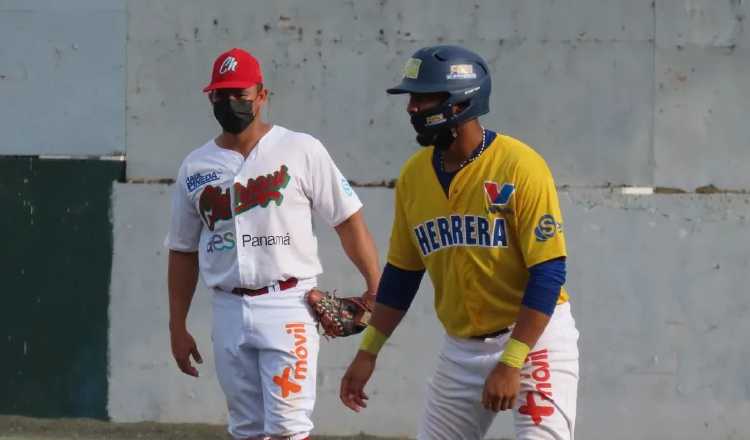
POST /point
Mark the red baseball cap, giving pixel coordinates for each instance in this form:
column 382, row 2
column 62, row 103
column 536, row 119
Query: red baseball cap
column 235, row 69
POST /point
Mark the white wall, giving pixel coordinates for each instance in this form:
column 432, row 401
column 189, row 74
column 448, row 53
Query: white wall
column 658, row 287
column 62, row 77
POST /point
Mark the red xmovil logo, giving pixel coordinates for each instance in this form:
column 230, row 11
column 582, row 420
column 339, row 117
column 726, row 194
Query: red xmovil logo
column 540, row 379
column 536, row 412
column 286, row 384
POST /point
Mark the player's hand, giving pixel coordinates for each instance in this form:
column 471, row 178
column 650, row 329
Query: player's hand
column 369, row 299
column 352, row 392
column 501, row 388
column 184, row 346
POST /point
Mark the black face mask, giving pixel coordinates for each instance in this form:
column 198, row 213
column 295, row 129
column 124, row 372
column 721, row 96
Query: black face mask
column 234, row 115
column 441, row 139
column 440, row 135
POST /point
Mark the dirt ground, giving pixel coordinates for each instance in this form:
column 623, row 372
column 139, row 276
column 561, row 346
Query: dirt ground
column 25, row 428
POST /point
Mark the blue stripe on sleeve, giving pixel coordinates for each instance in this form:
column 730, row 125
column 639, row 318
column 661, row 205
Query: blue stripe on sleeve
column 543, row 288
column 398, row 287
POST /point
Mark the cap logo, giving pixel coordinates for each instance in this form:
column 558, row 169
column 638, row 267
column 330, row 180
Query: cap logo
column 229, row 65
column 411, row 69
column 461, row 71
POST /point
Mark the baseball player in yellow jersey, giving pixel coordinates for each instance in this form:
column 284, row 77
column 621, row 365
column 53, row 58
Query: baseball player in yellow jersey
column 479, row 211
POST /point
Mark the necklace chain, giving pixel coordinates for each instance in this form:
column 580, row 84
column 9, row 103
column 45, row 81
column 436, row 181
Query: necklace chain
column 469, row 159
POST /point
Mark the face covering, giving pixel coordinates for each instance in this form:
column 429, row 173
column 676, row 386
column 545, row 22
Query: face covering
column 234, row 115
column 441, row 136
column 441, row 139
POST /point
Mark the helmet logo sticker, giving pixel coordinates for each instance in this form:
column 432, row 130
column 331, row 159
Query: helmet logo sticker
column 411, row 69
column 434, row 119
column 461, row 71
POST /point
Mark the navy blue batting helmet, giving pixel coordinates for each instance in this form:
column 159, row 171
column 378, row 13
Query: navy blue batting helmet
column 454, row 70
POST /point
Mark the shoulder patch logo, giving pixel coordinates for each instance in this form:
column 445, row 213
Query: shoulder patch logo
column 197, row 180
column 346, row 187
column 547, row 228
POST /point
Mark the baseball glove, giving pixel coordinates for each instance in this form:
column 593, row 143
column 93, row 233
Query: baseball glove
column 336, row 315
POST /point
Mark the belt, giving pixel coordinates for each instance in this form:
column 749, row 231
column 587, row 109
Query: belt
column 283, row 285
column 502, row 331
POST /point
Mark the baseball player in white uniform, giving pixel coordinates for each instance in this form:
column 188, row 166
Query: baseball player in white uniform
column 241, row 214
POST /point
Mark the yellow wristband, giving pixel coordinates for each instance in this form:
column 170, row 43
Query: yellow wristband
column 515, row 353
column 372, row 340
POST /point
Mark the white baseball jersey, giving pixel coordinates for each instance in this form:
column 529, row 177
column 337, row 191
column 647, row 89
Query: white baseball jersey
column 250, row 218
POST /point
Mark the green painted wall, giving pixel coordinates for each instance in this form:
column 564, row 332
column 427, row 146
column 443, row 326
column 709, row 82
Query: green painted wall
column 56, row 258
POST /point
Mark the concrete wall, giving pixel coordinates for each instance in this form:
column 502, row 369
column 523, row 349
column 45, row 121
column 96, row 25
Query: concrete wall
column 578, row 85
column 658, row 288
column 660, row 294
column 143, row 382
column 621, row 92
column 613, row 92
column 62, row 74
column 702, row 89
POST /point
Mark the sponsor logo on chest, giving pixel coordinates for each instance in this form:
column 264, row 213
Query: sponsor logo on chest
column 215, row 203
column 498, row 197
column 460, row 230
column 226, row 241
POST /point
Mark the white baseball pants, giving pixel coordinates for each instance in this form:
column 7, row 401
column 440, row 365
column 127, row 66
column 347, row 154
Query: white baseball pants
column 545, row 407
column 266, row 351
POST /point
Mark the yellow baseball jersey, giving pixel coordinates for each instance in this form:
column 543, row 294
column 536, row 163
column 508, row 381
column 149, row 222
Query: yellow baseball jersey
column 500, row 217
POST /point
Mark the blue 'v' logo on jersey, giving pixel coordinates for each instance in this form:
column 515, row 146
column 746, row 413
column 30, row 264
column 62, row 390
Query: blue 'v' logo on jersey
column 498, row 196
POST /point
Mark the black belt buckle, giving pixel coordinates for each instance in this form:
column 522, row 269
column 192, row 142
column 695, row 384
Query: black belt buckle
column 495, row 334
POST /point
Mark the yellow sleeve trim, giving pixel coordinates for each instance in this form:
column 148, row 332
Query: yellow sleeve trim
column 515, row 353
column 372, row 340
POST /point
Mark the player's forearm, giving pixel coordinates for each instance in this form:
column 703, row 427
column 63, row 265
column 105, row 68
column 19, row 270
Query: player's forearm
column 396, row 291
column 538, row 304
column 383, row 322
column 386, row 318
column 360, row 248
column 529, row 326
column 182, row 277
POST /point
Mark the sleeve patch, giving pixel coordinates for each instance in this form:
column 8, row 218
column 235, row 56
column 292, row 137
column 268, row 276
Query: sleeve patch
column 547, row 228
